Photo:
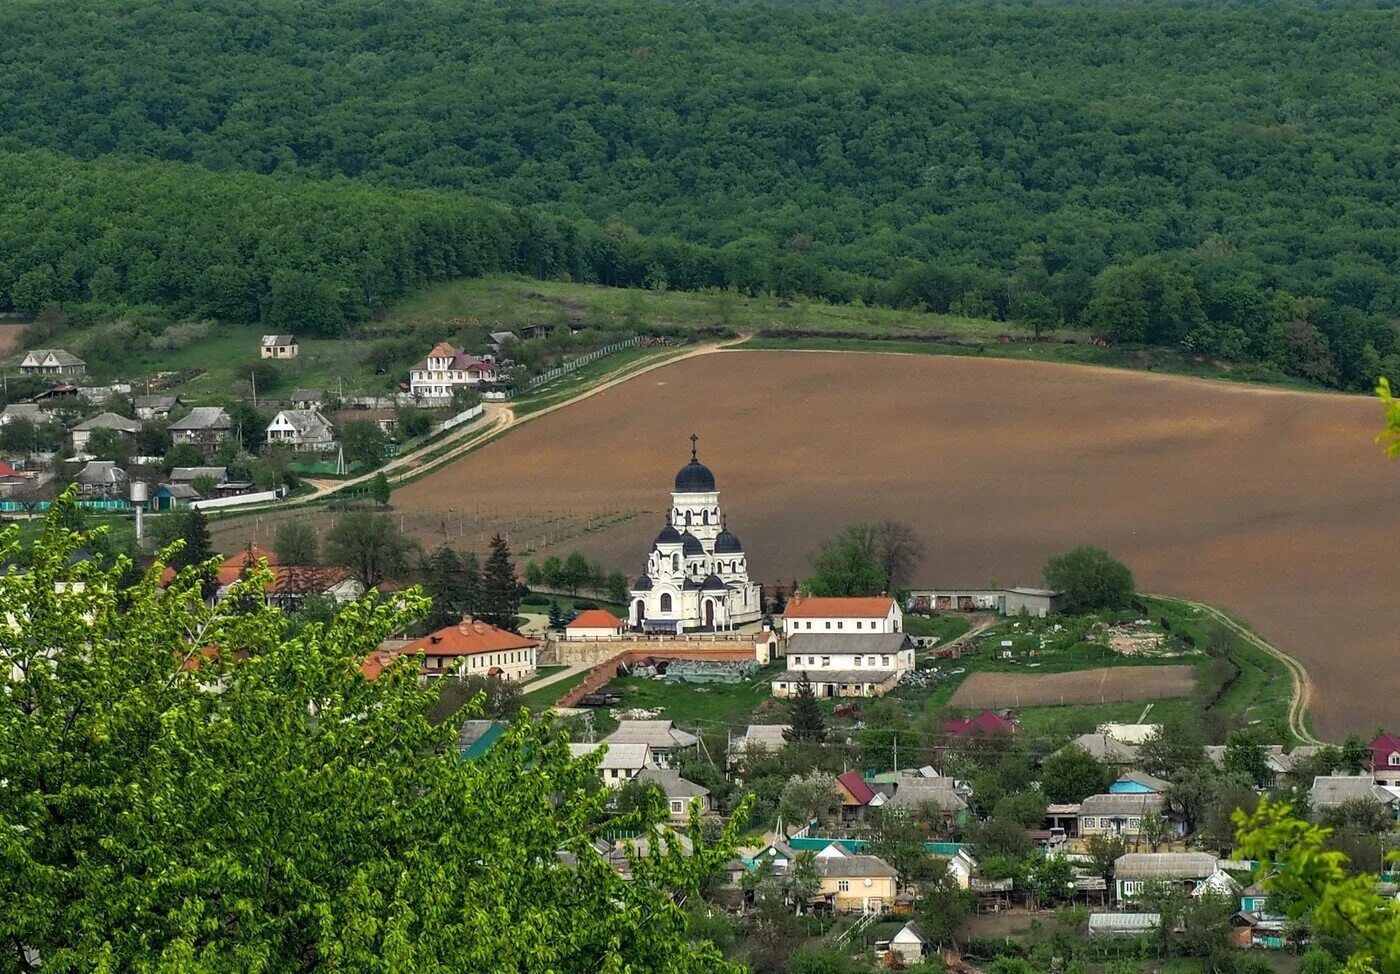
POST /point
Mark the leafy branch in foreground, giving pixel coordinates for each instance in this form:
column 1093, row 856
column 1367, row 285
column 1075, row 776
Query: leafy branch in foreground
column 1390, row 436
column 1313, row 881
column 200, row 788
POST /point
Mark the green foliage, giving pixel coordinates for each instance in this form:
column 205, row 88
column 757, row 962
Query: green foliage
column 500, row 592
column 300, row 818
column 296, row 543
column 1315, row 882
column 813, row 796
column 616, row 587
column 967, row 162
column 1073, row 774
column 943, row 907
column 805, row 719
column 1090, row 579
column 379, row 489
column 365, row 444
column 1390, row 436
column 844, row 566
column 369, row 545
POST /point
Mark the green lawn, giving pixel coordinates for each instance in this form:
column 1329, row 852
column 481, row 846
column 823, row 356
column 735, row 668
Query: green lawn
column 696, row 705
column 545, row 697
column 545, row 671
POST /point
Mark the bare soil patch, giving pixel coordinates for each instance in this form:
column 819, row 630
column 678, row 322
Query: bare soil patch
column 1273, row 503
column 10, row 334
column 1111, row 684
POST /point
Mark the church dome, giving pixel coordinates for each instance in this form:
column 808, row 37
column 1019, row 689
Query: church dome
column 727, row 543
column 694, row 478
column 692, row 545
column 712, row 584
column 668, row 535
column 690, row 585
column 642, row 584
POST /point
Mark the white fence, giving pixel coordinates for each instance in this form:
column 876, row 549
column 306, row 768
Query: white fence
column 580, row 362
column 465, row 416
column 261, row 497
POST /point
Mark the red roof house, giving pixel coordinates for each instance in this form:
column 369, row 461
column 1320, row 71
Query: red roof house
column 814, row 607
column 477, row 649
column 1385, row 759
column 985, row 724
column 856, row 794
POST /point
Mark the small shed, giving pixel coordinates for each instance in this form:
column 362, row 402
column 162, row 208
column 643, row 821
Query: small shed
column 280, row 346
column 910, row 944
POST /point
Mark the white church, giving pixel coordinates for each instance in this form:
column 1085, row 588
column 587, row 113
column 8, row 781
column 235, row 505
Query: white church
column 696, row 576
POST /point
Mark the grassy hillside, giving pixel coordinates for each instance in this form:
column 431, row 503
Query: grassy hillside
column 1218, row 178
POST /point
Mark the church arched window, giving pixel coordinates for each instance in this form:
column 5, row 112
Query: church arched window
column 665, row 601
column 705, row 518
column 687, row 519
column 675, row 563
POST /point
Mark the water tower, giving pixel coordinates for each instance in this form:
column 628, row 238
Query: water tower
column 138, row 504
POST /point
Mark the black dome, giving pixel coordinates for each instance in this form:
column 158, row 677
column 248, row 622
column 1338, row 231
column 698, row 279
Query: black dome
column 727, row 543
column 668, row 535
column 692, row 545
column 690, row 585
column 642, row 584
column 694, row 478
column 713, row 583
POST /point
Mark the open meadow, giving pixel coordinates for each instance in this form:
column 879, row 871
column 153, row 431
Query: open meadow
column 1272, row 503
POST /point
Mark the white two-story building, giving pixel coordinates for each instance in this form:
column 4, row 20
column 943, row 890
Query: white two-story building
column 845, row 664
column 810, row 614
column 447, row 368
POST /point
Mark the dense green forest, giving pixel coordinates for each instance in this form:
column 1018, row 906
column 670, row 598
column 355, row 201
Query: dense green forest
column 1224, row 177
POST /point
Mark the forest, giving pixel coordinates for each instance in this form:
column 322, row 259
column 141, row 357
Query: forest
column 1219, row 177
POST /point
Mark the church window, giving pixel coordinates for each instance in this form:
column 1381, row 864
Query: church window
column 665, row 601
column 705, row 517
column 687, row 519
column 675, row 563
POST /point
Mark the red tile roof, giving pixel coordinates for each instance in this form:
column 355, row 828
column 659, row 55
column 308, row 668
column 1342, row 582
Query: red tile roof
column 856, row 786
column 467, row 638
column 595, row 619
column 7, row 471
column 250, row 556
column 1384, row 746
column 984, row 724
column 813, row 607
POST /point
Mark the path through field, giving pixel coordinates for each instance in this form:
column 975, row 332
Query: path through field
column 1273, row 503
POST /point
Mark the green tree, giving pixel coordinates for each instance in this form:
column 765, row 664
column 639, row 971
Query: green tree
column 296, row 543
column 1245, row 757
column 443, row 581
column 943, row 907
column 1073, row 774
column 617, row 590
column 1090, row 579
column 1179, row 746
column 576, row 572
column 812, row 796
column 1355, row 755
column 898, row 838
column 802, row 881
column 369, row 545
column 844, row 566
column 1104, row 850
column 1389, row 437
column 194, row 532
column 500, row 592
column 379, row 489
column 365, row 444
column 805, row 719
column 121, row 769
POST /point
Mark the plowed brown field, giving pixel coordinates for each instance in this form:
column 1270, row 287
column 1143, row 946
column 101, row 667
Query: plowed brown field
column 1110, row 684
column 1275, row 504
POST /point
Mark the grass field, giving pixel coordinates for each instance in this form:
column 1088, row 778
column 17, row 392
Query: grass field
column 945, row 627
column 544, row 697
column 691, row 705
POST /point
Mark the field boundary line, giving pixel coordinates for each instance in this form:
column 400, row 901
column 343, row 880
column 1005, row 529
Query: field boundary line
column 1300, row 696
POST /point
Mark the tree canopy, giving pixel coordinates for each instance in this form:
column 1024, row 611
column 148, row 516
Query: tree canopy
column 301, row 817
column 1217, row 178
column 1089, row 578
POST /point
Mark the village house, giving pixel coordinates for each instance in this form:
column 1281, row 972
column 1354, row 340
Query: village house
column 910, row 944
column 1334, row 791
column 51, row 361
column 593, row 625
column 679, row 792
column 290, row 585
column 928, row 801
column 845, row 664
column 475, row 648
column 11, row 479
column 856, row 883
column 856, row 796
column 1119, row 815
column 302, row 429
column 661, row 737
column 279, row 346
column 29, row 411
column 620, row 762
column 102, row 480
column 148, row 408
column 1104, row 748
column 1189, row 870
column 385, row 417
column 169, row 497
column 447, row 368
column 205, row 427
column 1385, row 760
column 758, row 738
column 188, row 475
column 879, row 613
column 1139, row 783
column 121, row 425
column 1279, row 761
column 307, row 398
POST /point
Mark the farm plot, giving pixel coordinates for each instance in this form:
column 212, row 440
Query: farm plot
column 1111, row 684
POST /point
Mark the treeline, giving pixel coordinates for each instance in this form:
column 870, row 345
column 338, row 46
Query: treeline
column 1215, row 177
